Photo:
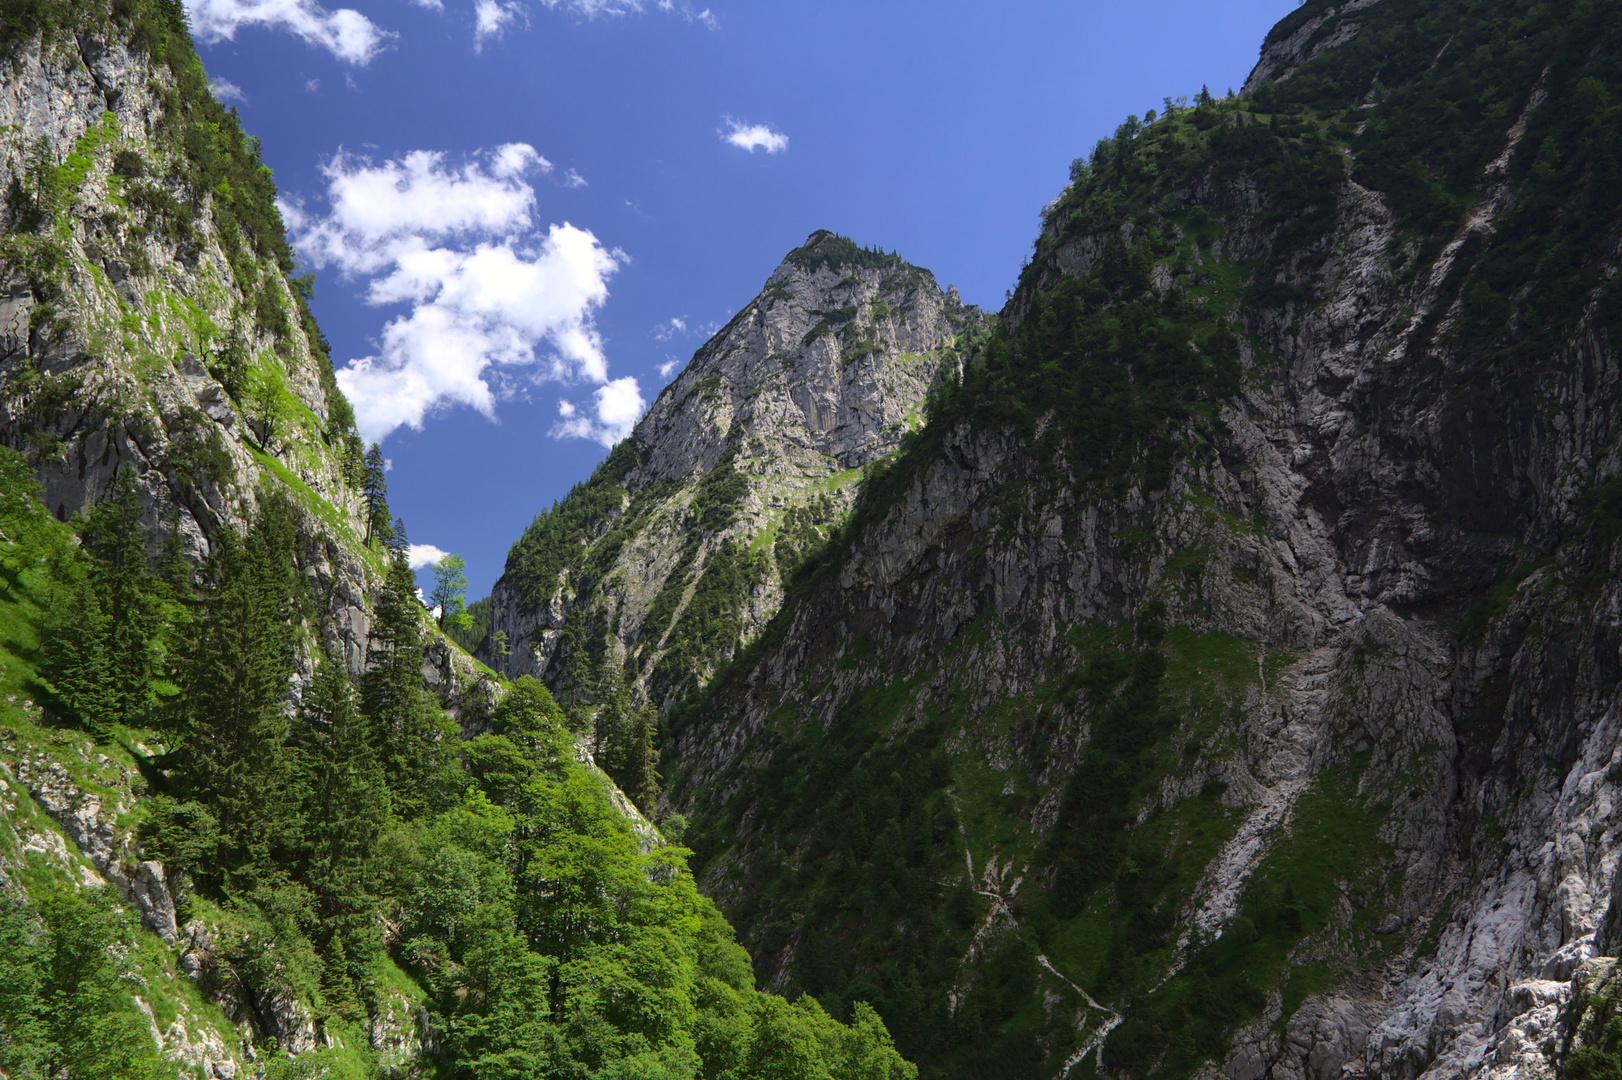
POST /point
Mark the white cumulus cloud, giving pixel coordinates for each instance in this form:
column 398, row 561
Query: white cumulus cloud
column 618, row 406
column 346, row 33
column 752, row 137
column 668, row 368
column 487, row 295
column 421, row 555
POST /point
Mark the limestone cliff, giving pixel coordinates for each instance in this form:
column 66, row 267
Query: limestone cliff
column 678, row 549
column 149, row 322
column 1225, row 682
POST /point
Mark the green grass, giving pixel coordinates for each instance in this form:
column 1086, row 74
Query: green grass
column 315, row 504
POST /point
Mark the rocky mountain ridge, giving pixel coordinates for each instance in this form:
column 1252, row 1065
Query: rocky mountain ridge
column 1251, row 721
column 258, row 817
column 677, row 551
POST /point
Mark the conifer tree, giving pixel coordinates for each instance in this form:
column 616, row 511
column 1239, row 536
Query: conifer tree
column 348, row 791
column 75, row 648
column 349, row 807
column 235, row 679
column 395, row 540
column 611, row 730
column 641, row 779
column 375, row 486
column 576, row 685
column 404, row 718
column 106, row 627
column 132, row 596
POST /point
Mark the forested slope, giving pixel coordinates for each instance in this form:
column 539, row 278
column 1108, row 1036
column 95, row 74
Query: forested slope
column 256, row 815
column 1225, row 676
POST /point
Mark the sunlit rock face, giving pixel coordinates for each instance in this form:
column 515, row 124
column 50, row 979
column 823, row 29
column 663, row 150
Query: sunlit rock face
column 817, row 378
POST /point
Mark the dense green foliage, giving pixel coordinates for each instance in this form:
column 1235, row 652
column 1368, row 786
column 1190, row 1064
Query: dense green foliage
column 863, row 839
column 111, row 617
column 1447, row 80
column 599, row 701
column 871, row 818
column 65, row 1008
column 473, row 637
column 547, row 937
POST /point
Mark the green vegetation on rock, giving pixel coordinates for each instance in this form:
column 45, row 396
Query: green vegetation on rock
column 547, row 936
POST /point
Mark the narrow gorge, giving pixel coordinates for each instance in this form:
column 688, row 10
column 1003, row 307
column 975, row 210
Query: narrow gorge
column 1204, row 667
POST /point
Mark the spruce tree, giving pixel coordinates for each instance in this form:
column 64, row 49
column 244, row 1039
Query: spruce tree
column 75, row 649
column 234, row 680
column 349, row 807
column 611, row 729
column 375, row 486
column 348, row 790
column 576, row 687
column 641, row 782
column 396, row 540
column 106, row 625
column 405, row 720
column 132, row 596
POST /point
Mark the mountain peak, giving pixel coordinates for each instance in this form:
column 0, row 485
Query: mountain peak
column 825, row 248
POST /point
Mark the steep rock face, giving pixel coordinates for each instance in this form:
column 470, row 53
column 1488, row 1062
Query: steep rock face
column 130, row 299
column 680, row 545
column 1281, row 741
column 148, row 323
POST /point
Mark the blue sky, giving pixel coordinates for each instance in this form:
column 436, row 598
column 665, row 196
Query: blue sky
column 516, row 208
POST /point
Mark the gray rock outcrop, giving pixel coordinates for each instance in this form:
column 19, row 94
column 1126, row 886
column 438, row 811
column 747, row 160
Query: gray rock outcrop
column 815, row 379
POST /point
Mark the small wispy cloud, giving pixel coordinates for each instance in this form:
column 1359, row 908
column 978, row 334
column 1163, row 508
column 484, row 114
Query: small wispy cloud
column 668, row 368
column 421, row 555
column 752, row 137
column 572, row 179
column 491, row 20
column 667, row 330
column 345, row 33
column 617, row 408
column 225, row 90
column 431, row 5
column 313, row 85
column 591, row 9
